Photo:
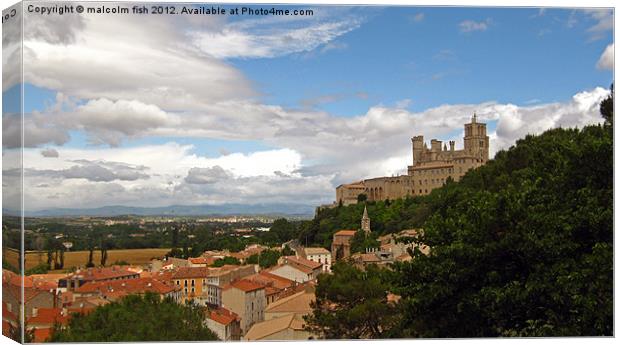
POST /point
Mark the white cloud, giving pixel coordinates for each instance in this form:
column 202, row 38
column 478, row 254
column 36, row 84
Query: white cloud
column 604, row 22
column 318, row 151
column 138, row 58
column 606, row 61
column 250, row 41
column 471, row 26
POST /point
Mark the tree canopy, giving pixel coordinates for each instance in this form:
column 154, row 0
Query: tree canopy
column 352, row 304
column 137, row 318
column 522, row 246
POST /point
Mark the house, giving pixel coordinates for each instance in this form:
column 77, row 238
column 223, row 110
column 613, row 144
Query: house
column 35, row 295
column 201, row 261
column 224, row 323
column 43, row 320
column 203, row 285
column 275, row 286
column 101, row 274
column 317, row 254
column 289, row 327
column 246, row 299
column 114, row 290
column 298, row 304
column 341, row 244
column 297, row 269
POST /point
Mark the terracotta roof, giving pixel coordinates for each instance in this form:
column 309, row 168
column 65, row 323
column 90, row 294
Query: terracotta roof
column 222, row 316
column 297, row 303
column 129, row 286
column 40, row 335
column 202, row 261
column 48, row 316
column 191, row 272
column 246, row 285
column 102, row 273
column 345, row 233
column 316, row 251
column 303, row 262
column 269, row 279
column 264, row 329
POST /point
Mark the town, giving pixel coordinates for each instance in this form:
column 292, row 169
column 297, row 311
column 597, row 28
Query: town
column 242, row 297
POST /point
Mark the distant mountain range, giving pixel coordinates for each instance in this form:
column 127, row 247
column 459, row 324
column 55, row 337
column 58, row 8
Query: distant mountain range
column 298, row 210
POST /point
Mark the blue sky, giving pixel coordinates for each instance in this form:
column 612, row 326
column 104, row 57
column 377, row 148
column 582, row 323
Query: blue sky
column 186, row 107
column 521, row 56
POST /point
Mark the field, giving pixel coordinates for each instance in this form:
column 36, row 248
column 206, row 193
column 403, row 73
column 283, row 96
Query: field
column 79, row 258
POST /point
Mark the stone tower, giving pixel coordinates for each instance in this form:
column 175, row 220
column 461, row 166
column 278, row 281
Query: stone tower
column 366, row 222
column 476, row 140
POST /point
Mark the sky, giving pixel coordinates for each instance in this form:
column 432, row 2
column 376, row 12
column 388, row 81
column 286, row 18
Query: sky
column 150, row 110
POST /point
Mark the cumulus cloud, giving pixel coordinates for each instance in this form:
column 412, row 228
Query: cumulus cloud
column 606, row 61
column 471, row 25
column 90, row 60
column 318, row 152
column 93, row 171
column 207, row 175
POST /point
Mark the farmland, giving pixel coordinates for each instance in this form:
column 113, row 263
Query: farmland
column 79, row 258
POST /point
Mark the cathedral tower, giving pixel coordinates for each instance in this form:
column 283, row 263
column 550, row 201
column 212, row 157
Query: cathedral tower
column 476, row 140
column 366, row 222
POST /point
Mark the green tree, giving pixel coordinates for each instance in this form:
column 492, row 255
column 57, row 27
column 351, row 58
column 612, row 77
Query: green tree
column 227, row 260
column 352, row 304
column 266, row 258
column 522, row 246
column 607, row 107
column 137, row 318
column 284, row 230
column 360, row 242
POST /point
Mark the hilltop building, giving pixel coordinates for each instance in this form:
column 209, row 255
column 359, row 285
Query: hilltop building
column 430, row 169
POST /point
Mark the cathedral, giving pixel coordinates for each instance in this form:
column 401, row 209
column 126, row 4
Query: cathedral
column 430, row 168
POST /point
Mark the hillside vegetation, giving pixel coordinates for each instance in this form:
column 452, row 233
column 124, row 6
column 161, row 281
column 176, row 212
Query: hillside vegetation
column 522, row 246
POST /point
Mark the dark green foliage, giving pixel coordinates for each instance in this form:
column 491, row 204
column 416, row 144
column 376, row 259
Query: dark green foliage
column 607, row 108
column 361, row 242
column 522, row 246
column 287, row 251
column 386, row 217
column 137, row 318
column 39, row 269
column 352, row 304
column 267, row 258
column 362, row 198
column 227, row 260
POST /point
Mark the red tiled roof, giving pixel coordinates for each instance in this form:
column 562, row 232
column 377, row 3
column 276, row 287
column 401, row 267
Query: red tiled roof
column 267, row 279
column 48, row 316
column 202, row 261
column 129, row 286
column 191, row 272
column 40, row 335
column 304, row 262
column 102, row 273
column 345, row 233
column 246, row 285
column 222, row 316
